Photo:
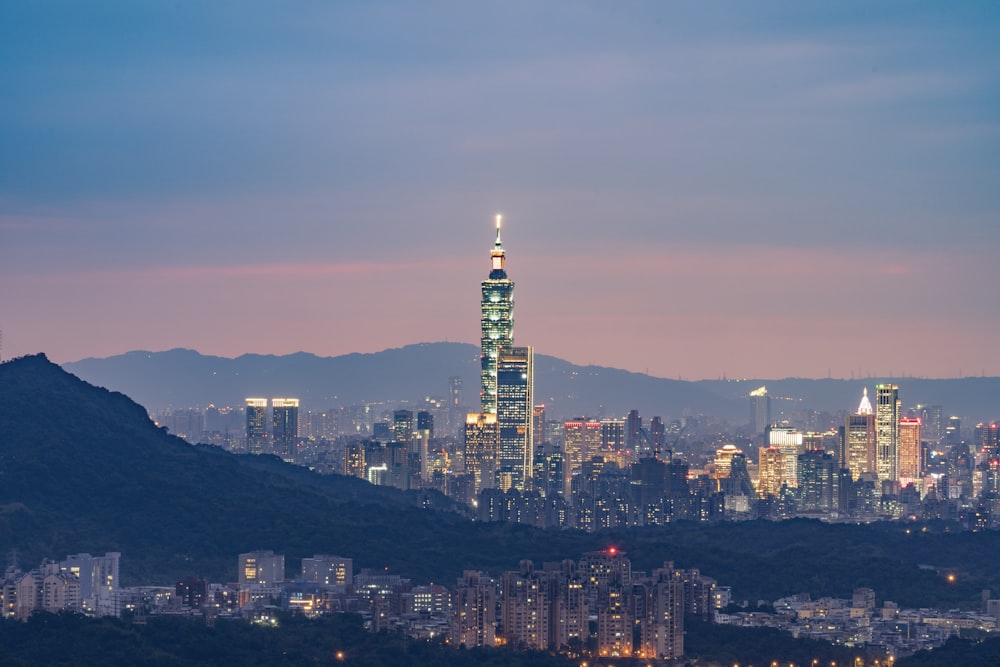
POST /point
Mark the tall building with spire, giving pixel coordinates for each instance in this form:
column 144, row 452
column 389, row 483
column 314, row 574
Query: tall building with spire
column 857, row 445
column 497, row 322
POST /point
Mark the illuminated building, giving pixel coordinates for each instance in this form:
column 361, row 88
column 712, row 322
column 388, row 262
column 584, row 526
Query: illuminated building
column 256, row 425
column 497, row 323
column 662, row 623
column 911, row 463
column 612, row 435
column 263, row 568
column 98, row 577
column 515, row 405
column 538, row 426
column 474, row 604
column 581, row 441
column 760, row 410
column 328, row 570
column 724, row 460
column 657, row 435
column 887, row 407
column 284, row 426
column 789, row 441
column 354, row 459
column 633, row 434
column 402, row 426
column 858, row 441
column 987, row 438
column 817, row 482
column 482, row 437
column 525, row 608
column 770, row 471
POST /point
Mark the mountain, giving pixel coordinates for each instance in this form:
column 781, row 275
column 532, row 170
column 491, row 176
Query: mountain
column 184, row 378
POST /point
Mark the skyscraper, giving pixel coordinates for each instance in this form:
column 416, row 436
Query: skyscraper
column 760, row 410
column 256, row 425
column 514, row 409
column 887, row 407
column 481, row 441
column 285, row 426
column 911, row 460
column 497, row 322
column 858, row 442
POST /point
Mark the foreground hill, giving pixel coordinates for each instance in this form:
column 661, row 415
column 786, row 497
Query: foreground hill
column 185, row 378
column 84, row 469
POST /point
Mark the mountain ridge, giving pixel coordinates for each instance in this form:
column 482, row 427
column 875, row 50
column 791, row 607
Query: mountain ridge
column 187, row 378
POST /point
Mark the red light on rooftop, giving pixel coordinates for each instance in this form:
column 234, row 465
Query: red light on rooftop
column 612, row 550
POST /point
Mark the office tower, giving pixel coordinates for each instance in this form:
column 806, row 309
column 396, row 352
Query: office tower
column 770, row 471
column 657, row 435
column 760, row 410
column 328, row 570
column 931, row 416
column 817, row 482
column 284, row 426
column 789, row 441
column 911, row 459
column 858, row 440
column 455, row 392
column 482, row 438
column 887, row 407
column 256, row 425
column 986, row 438
column 474, row 615
column 402, row 426
column 612, row 435
column 581, row 441
column 538, row 426
column 514, row 410
column 633, row 435
column 723, row 460
column 422, row 438
column 263, row 568
column 497, row 323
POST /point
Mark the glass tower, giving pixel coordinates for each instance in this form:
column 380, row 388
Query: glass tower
column 887, row 409
column 497, row 322
column 515, row 387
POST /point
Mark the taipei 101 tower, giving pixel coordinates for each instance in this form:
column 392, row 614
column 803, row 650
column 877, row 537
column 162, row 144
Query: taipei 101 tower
column 497, row 322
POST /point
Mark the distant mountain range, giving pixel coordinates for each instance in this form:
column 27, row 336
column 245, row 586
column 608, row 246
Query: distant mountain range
column 184, row 378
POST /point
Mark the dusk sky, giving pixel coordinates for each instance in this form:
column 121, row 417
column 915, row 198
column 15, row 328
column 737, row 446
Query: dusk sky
column 749, row 189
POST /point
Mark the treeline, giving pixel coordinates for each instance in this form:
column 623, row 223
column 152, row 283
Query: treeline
column 67, row 639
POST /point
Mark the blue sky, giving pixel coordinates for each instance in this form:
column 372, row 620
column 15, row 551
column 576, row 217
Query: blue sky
column 692, row 189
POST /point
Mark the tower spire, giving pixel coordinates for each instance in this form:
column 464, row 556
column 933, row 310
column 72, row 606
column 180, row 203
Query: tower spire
column 865, row 408
column 497, row 256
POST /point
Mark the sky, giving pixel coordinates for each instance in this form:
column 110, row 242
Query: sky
column 690, row 190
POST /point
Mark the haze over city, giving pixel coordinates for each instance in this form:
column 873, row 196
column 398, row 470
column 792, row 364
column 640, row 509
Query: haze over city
column 763, row 190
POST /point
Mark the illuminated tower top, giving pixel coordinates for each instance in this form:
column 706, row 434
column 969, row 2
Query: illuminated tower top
column 497, row 256
column 497, row 322
column 866, row 406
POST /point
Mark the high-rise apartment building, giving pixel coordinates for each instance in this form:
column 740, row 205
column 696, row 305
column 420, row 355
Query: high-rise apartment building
column 887, row 407
column 857, row 449
column 515, row 406
column 474, row 617
column 612, row 435
column 497, row 322
column 284, row 426
column 581, row 441
column 256, row 425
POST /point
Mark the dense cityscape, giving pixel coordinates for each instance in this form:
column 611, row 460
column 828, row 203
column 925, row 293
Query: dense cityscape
column 509, row 462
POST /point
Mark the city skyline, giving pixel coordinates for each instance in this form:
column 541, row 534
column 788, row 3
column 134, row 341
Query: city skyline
column 767, row 191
